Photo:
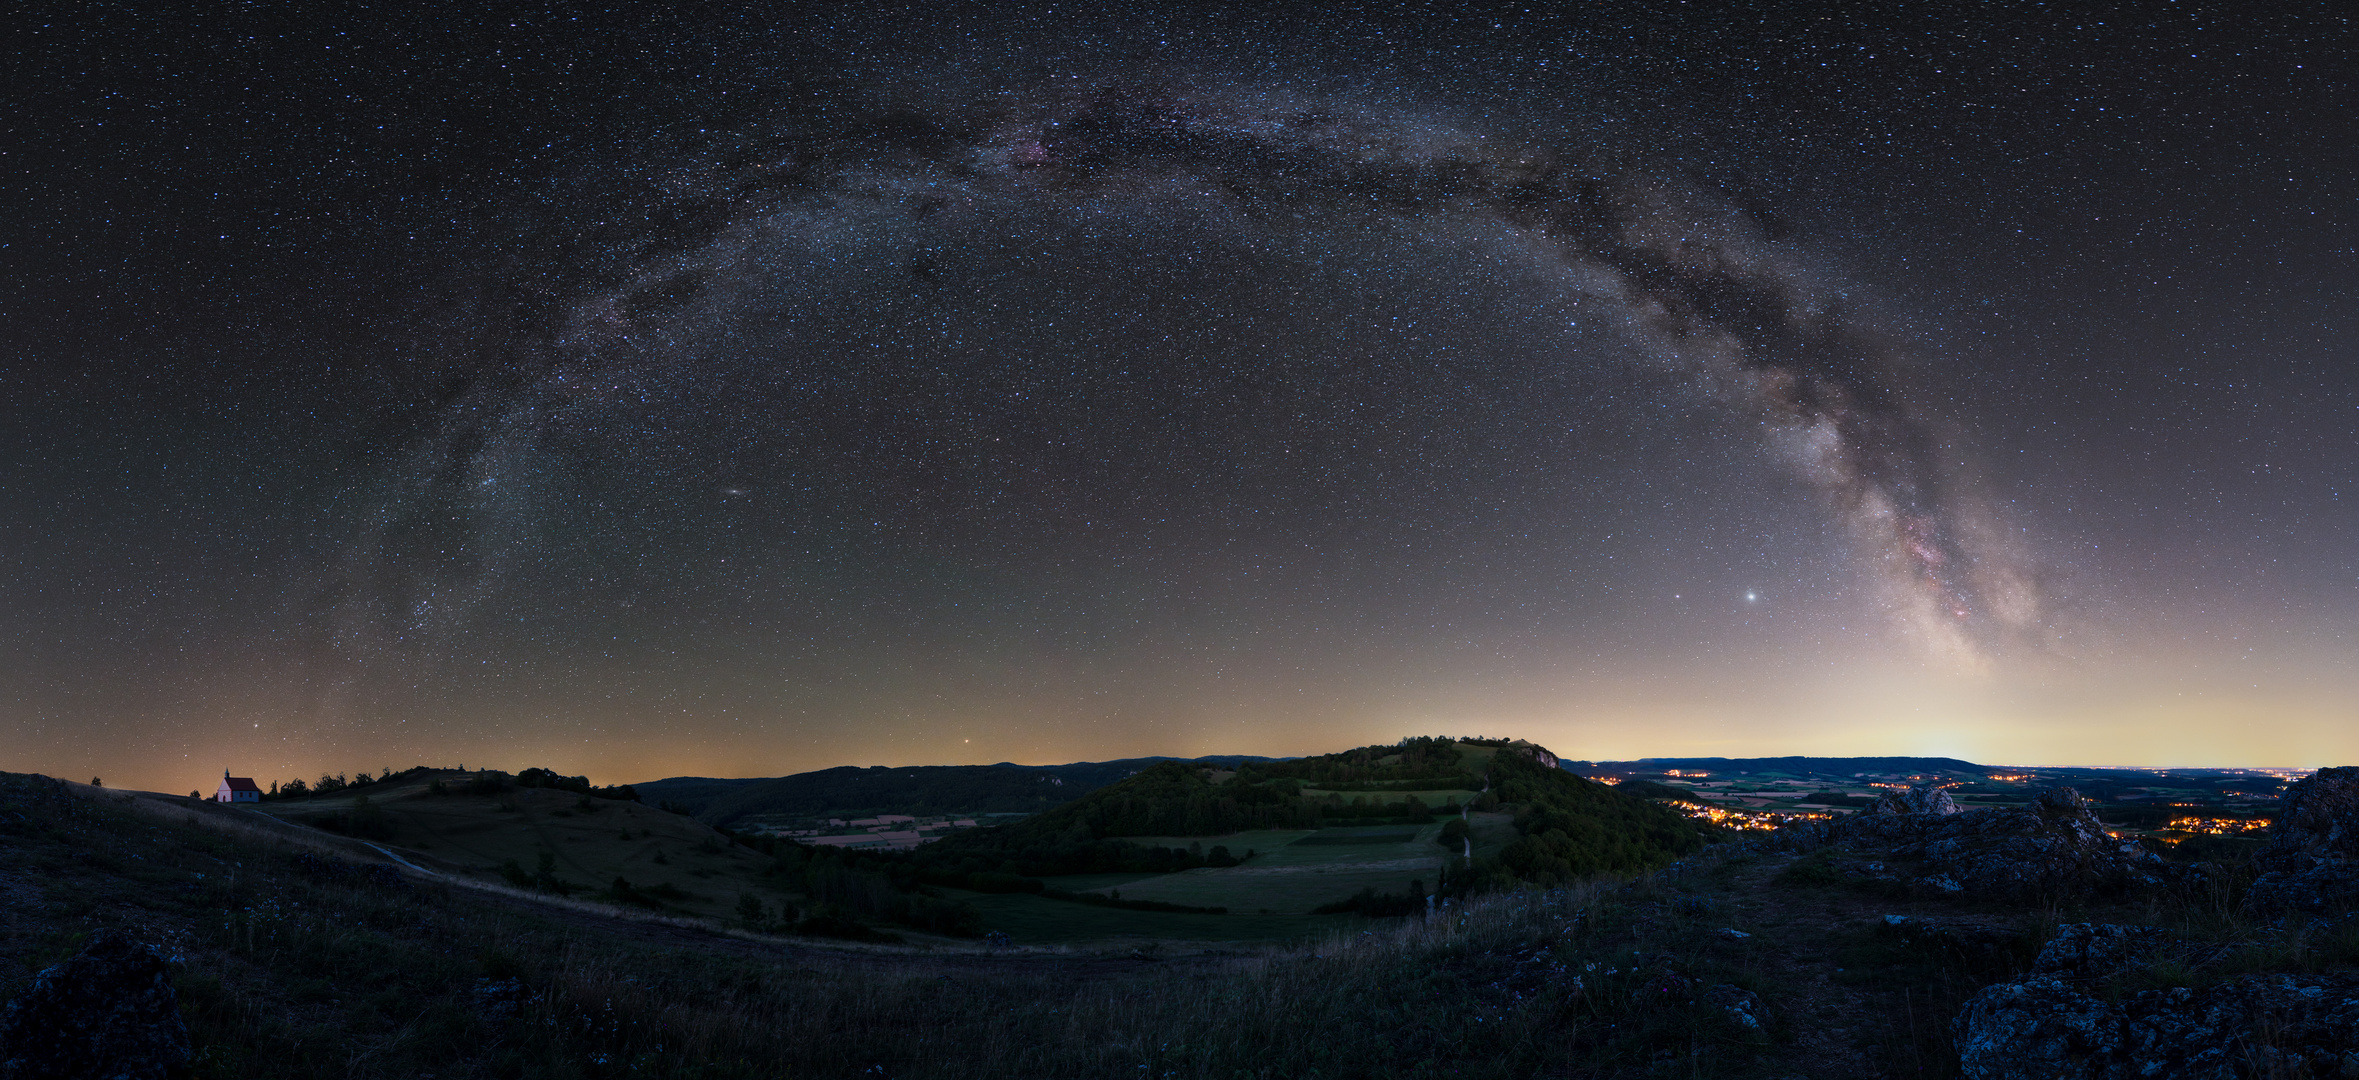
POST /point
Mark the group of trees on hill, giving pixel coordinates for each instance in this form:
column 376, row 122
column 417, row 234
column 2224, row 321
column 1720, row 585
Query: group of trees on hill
column 1568, row 828
column 1425, row 758
column 485, row 782
column 337, row 783
column 580, row 785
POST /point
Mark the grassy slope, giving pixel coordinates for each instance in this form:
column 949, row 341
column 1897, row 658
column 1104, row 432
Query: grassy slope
column 473, row 834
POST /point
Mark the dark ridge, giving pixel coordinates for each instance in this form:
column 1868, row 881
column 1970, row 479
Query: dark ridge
column 850, row 790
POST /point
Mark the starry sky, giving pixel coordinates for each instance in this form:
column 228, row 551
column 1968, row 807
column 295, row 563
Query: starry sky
column 738, row 390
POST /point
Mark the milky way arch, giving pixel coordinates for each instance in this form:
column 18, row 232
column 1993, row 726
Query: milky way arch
column 1699, row 286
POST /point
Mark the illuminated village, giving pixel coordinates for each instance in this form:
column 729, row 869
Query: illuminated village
column 2166, row 806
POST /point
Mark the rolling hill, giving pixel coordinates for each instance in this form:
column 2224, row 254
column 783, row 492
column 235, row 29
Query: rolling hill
column 482, row 825
column 1539, row 823
column 850, row 791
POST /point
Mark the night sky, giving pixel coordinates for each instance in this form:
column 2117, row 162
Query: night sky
column 738, row 391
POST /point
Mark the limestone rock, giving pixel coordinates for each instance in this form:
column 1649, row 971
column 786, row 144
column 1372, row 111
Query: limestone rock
column 1533, row 751
column 2260, row 1025
column 2312, row 862
column 2315, row 888
column 2319, row 819
column 2051, row 849
column 1742, row 1006
column 1918, row 799
column 2037, row 1029
column 2095, row 950
column 109, row 1011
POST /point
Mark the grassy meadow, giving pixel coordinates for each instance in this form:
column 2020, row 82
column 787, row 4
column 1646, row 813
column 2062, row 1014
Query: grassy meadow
column 1296, row 871
column 673, row 861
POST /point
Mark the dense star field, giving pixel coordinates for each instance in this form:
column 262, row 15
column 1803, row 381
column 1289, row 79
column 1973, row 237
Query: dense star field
column 739, row 391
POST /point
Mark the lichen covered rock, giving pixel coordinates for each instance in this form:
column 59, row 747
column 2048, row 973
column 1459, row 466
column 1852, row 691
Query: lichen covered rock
column 1917, row 799
column 2052, row 849
column 2319, row 819
column 109, row 1011
column 2095, row 950
column 2312, row 862
column 2044, row 1028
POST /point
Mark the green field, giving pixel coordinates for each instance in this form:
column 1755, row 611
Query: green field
column 1296, row 871
column 1238, row 843
column 1034, row 920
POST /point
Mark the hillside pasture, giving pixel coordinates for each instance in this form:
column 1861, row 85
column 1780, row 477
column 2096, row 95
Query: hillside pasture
column 1309, row 869
column 590, row 841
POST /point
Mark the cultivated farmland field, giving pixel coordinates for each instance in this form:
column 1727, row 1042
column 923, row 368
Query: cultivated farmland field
column 1298, row 870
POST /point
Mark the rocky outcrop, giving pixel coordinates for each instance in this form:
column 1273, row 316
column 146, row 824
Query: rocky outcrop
column 2096, row 950
column 2052, row 849
column 1533, row 751
column 2317, row 888
column 2312, row 862
column 1742, row 1006
column 2319, row 818
column 1918, row 799
column 109, row 1011
column 2045, row 1028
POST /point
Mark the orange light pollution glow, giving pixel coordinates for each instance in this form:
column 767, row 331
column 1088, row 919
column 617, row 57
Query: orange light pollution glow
column 625, row 741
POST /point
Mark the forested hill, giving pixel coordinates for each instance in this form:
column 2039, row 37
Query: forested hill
column 850, row 791
column 1566, row 826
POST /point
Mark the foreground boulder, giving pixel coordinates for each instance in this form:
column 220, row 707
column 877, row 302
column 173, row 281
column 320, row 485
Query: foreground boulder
column 2052, row 849
column 2319, row 819
column 2096, row 950
column 2044, row 1027
column 109, row 1011
column 2312, row 863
